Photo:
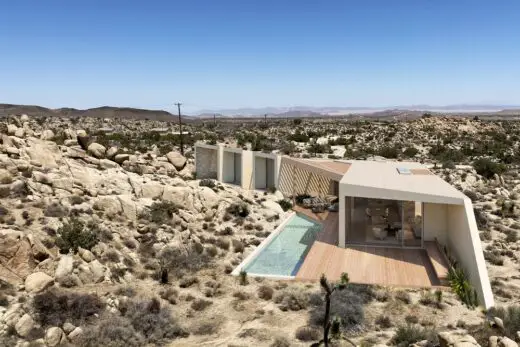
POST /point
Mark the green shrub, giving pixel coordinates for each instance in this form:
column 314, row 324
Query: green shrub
column 265, row 292
column 460, row 285
column 488, row 168
column 73, row 235
column 207, row 182
column 238, row 210
column 161, row 212
column 292, row 299
column 285, row 204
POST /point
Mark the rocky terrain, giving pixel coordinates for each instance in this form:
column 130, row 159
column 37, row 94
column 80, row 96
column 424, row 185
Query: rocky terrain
column 107, row 237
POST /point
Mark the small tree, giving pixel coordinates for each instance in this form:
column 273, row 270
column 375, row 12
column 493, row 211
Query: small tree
column 329, row 289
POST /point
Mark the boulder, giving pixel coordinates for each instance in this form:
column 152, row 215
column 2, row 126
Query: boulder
column 456, row 339
column 24, row 118
column 70, row 142
column 43, row 153
column 64, row 268
column 152, row 190
column 506, row 342
column 110, row 205
column 272, row 208
column 38, row 281
column 75, row 335
column 97, row 150
column 85, row 254
column 111, row 152
column 16, row 259
column 54, row 336
column 5, row 177
column 24, row 325
column 499, row 322
column 68, row 327
column 11, row 129
column 41, row 178
column 177, row 159
column 83, row 141
column 120, row 158
column 97, row 270
column 47, row 135
column 107, row 164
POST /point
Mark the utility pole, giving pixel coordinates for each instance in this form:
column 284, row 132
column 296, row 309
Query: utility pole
column 180, row 127
column 265, row 119
column 214, row 118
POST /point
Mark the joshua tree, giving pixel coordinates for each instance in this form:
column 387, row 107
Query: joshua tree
column 329, row 289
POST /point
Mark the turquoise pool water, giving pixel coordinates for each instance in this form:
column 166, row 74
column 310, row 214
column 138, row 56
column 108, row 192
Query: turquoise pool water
column 285, row 253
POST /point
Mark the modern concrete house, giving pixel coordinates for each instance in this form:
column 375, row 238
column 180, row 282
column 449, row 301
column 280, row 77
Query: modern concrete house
column 385, row 222
column 396, row 214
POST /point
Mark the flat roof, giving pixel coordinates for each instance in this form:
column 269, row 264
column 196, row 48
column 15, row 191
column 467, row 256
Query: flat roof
column 332, row 169
column 397, row 180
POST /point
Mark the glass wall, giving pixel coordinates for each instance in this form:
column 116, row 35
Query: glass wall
column 381, row 222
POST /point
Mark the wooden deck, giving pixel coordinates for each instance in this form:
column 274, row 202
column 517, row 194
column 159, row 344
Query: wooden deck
column 364, row 264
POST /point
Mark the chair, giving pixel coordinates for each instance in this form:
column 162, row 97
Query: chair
column 379, row 232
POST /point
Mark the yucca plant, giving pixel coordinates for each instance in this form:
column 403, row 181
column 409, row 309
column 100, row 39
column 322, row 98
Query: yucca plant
column 460, row 284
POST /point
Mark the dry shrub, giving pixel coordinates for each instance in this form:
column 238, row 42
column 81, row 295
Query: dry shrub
column 280, row 341
column 153, row 321
column 292, row 299
column 54, row 308
column 308, row 333
column 209, row 326
column 169, row 294
column 265, row 292
column 241, row 295
column 200, row 304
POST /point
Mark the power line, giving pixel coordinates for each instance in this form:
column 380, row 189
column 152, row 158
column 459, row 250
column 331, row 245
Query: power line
column 180, row 127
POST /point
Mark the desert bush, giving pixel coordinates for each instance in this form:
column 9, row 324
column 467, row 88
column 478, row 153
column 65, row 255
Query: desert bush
column 511, row 318
column 487, row 168
column 207, row 326
column 127, row 291
column 494, row 257
column 406, row 335
column 4, row 301
column 223, row 243
column 56, row 210
column 130, row 243
column 188, row 281
column 265, row 292
column 111, row 331
column 347, row 305
column 169, row 294
column 238, row 246
column 227, row 231
column 241, row 295
column 292, row 299
column 410, row 152
column 238, row 210
column 111, row 255
column 280, row 341
column 207, row 182
column 403, row 296
column 73, row 235
column 180, row 261
column 384, row 322
column 512, row 236
column 160, row 212
column 68, row 281
column 471, row 194
column 200, row 304
column 307, row 333
column 153, row 321
column 54, row 308
column 285, row 204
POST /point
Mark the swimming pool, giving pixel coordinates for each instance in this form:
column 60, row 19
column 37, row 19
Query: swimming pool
column 283, row 254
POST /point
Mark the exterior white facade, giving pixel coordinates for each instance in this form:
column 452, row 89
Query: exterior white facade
column 448, row 217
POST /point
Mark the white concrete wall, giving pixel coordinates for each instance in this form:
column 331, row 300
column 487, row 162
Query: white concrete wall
column 464, row 243
column 247, row 169
column 341, row 214
column 207, row 161
column 260, row 173
column 435, row 217
column 228, row 167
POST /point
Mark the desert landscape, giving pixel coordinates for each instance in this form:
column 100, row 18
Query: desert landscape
column 108, row 238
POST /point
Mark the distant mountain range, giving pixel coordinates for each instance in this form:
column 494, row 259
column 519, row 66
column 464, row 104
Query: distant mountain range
column 309, row 111
column 398, row 112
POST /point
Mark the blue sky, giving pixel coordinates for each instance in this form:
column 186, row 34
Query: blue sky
column 227, row 54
